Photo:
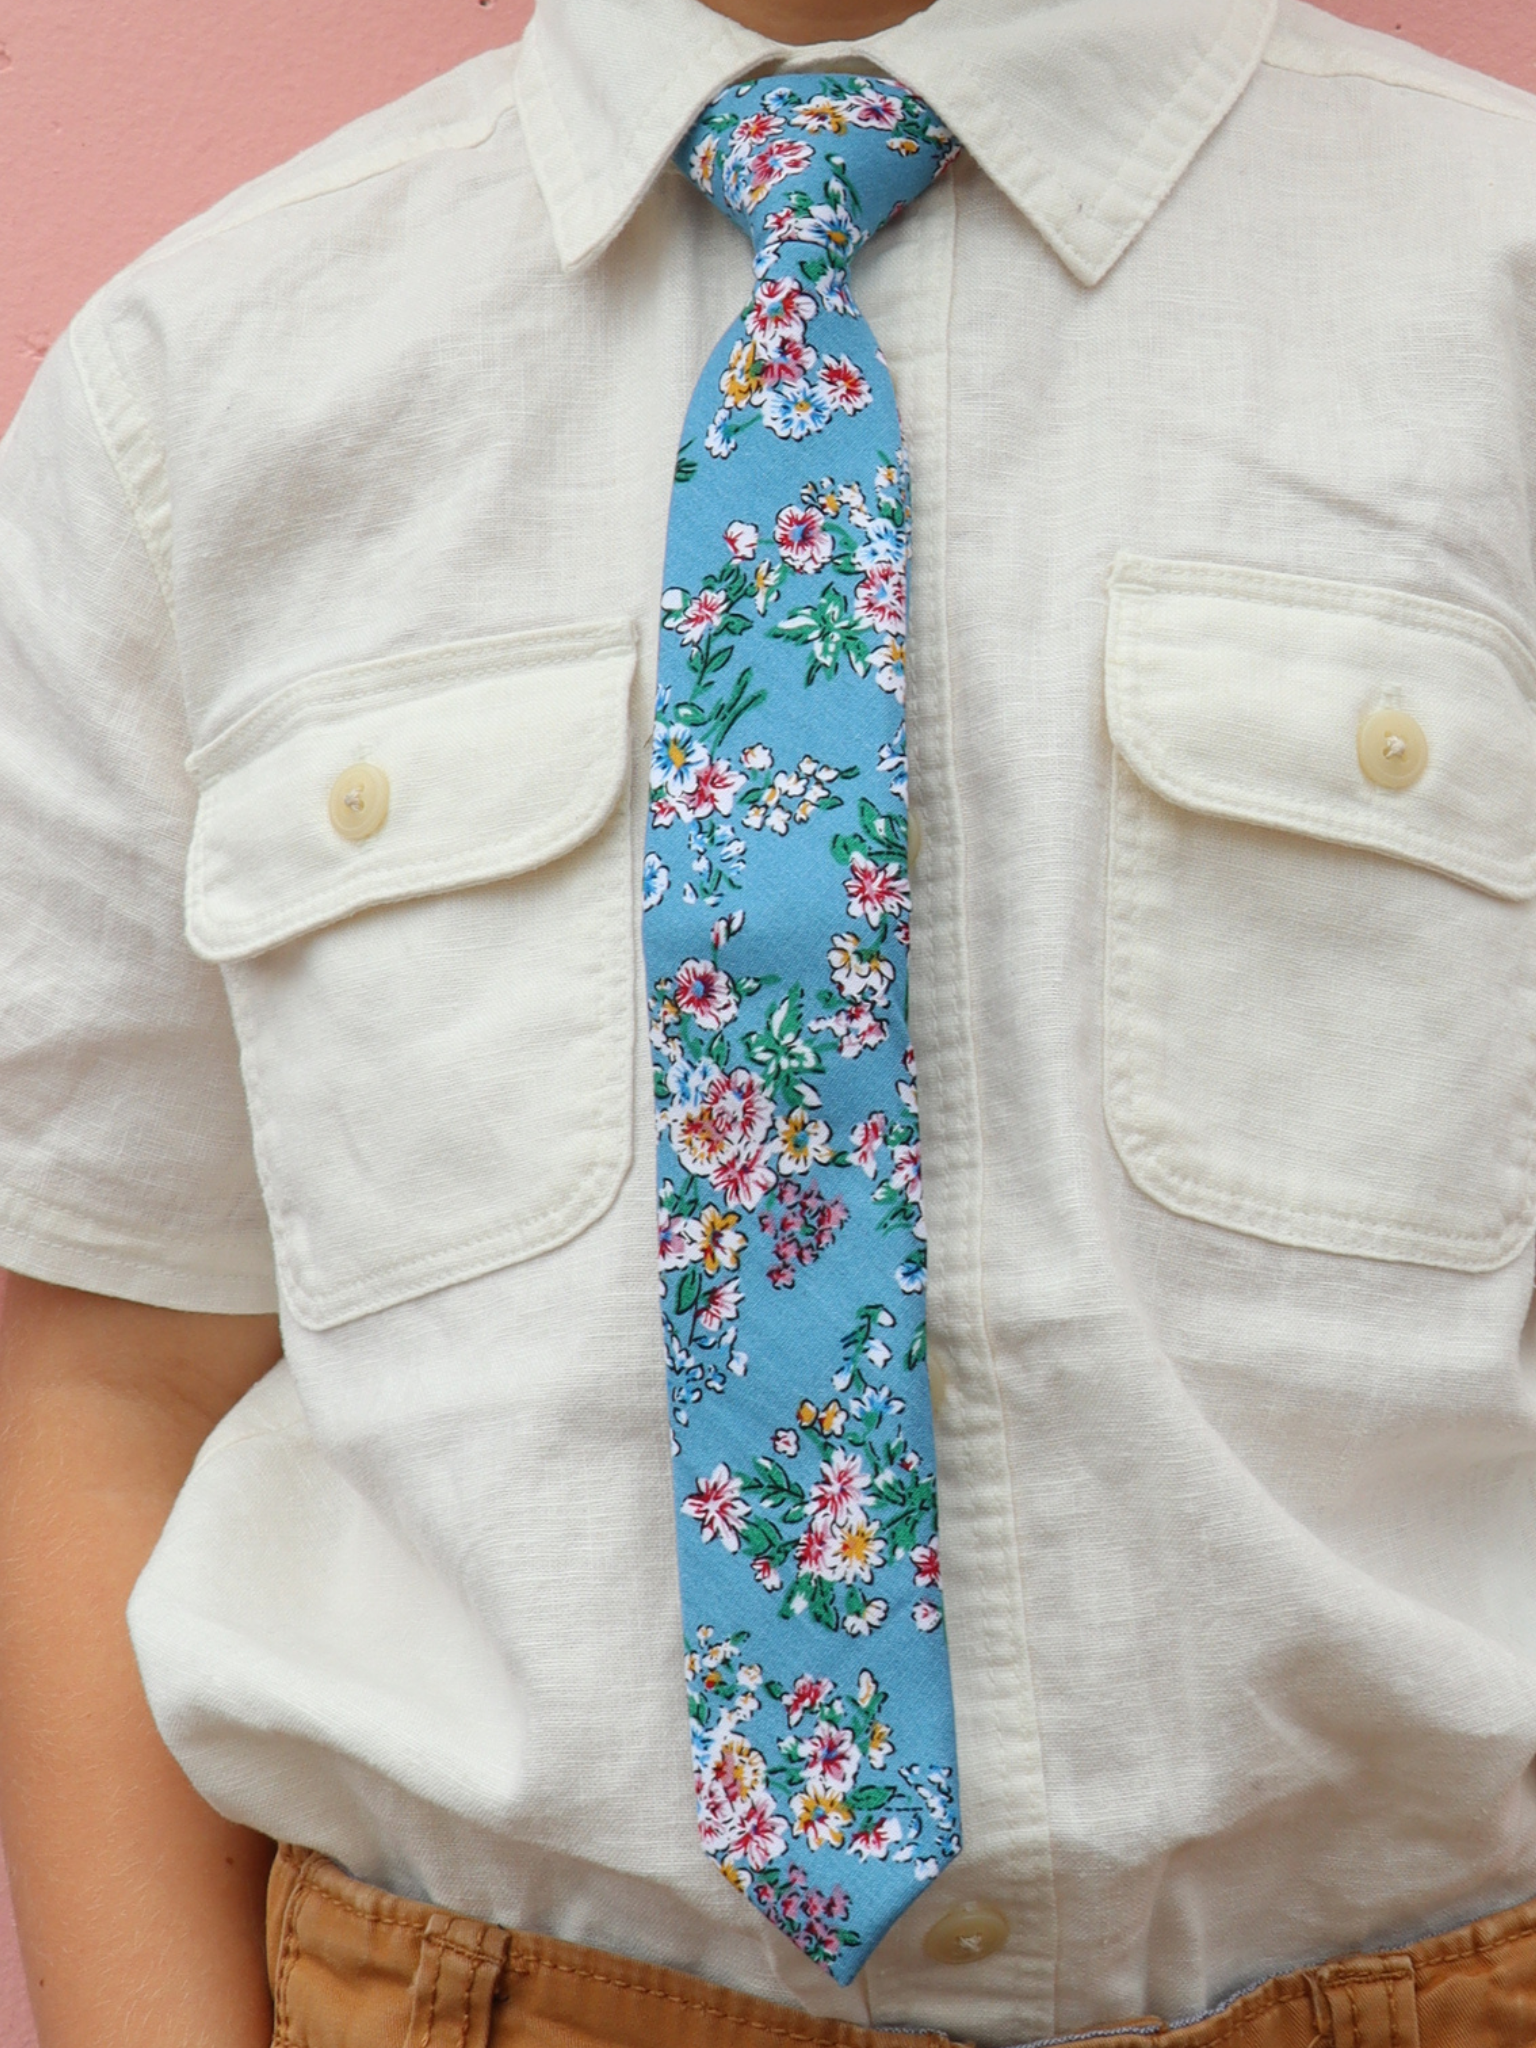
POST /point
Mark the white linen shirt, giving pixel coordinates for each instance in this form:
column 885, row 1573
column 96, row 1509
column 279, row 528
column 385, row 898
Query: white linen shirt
column 1217, row 356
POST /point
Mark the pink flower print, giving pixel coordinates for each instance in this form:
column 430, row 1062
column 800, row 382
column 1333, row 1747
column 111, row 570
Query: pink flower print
column 806, row 1695
column 770, row 166
column 717, row 1817
column 728, row 1123
column 761, row 1833
column 925, row 1564
column 870, row 108
column 927, row 1616
column 714, row 789
column 875, row 890
column 841, row 1494
column 745, row 1180
column 875, row 1837
column 803, row 539
column 741, row 538
column 721, row 1305
column 706, row 993
column 753, row 129
column 788, row 361
column 856, row 1029
column 676, row 1244
column 831, row 1758
column 907, row 1170
column 739, row 1770
column 766, row 1576
column 803, row 1224
column 718, row 1508
column 845, row 384
column 881, row 599
column 865, row 1142
column 787, row 1443
column 779, row 310
column 815, row 1552
column 701, row 616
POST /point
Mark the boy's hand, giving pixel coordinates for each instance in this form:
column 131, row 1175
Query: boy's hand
column 140, row 1910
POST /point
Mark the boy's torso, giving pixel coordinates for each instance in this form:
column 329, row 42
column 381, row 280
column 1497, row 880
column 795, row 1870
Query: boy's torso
column 1226, row 1049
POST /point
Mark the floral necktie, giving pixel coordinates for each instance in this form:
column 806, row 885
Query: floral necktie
column 776, row 905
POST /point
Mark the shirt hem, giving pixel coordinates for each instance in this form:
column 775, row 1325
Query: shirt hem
column 201, row 1280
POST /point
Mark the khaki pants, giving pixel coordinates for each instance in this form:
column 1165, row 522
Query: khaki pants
column 354, row 1968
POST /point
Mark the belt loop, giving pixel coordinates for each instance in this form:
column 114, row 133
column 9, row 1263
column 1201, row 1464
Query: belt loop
column 1367, row 2002
column 452, row 1999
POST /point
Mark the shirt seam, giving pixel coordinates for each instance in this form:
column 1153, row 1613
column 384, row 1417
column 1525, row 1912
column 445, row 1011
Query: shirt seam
column 151, row 523
column 1288, row 49
column 51, row 1223
column 444, row 139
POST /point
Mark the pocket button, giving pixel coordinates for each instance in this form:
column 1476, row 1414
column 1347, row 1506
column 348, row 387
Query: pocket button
column 1392, row 748
column 360, row 800
column 966, row 1934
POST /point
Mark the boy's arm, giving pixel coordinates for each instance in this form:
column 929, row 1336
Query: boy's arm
column 140, row 1910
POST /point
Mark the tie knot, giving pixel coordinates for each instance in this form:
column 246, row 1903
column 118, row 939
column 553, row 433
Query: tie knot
column 811, row 167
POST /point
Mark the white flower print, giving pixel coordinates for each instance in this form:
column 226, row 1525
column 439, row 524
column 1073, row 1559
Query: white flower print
column 794, row 410
column 717, row 1506
column 803, row 538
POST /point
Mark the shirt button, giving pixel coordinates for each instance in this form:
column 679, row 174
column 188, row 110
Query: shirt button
column 966, row 1934
column 1392, row 748
column 360, row 801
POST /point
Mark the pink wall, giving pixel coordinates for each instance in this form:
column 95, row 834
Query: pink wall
column 119, row 118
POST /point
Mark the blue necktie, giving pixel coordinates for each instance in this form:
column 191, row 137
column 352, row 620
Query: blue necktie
column 790, row 1191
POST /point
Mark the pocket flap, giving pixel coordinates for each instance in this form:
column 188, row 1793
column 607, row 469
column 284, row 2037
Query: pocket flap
column 500, row 755
column 1239, row 694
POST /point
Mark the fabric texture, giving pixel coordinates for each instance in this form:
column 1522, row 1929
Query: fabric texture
column 351, row 1965
column 792, row 1242
column 374, row 464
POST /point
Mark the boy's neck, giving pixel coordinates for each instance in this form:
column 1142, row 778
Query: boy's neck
column 816, row 21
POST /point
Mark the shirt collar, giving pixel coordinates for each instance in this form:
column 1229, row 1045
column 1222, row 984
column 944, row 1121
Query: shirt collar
column 1085, row 112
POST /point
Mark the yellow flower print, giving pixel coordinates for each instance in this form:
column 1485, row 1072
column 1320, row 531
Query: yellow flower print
column 805, row 1141
column 820, row 1819
column 741, row 379
column 740, row 1769
column 828, row 1420
column 721, row 1244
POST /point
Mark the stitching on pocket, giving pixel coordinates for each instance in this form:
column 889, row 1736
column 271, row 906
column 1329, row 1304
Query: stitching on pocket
column 1131, row 810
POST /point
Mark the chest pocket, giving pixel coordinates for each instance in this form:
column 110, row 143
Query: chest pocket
column 417, row 875
column 1320, row 1001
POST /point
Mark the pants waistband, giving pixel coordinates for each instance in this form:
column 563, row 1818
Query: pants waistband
column 354, row 1967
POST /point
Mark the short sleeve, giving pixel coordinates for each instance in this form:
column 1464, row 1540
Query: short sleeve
column 125, row 1152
